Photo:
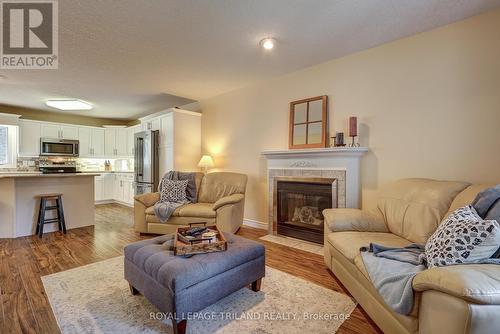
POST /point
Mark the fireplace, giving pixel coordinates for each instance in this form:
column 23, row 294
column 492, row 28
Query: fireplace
column 299, row 203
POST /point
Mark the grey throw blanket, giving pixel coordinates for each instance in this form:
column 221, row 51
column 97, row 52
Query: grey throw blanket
column 487, row 205
column 392, row 269
column 163, row 210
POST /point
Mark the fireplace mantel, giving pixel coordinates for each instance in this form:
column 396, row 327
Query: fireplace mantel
column 342, row 163
column 329, row 151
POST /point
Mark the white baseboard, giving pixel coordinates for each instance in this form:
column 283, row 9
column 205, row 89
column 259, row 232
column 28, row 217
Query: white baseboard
column 255, row 224
column 111, row 201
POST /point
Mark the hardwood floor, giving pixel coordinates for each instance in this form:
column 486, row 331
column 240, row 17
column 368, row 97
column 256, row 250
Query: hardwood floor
column 24, row 307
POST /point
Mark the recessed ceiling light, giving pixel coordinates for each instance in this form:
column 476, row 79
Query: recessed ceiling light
column 69, row 104
column 267, row 43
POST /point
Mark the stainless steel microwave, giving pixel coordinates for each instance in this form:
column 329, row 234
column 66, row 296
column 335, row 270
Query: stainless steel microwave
column 59, row 147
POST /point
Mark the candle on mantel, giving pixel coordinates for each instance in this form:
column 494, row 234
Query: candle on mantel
column 353, row 126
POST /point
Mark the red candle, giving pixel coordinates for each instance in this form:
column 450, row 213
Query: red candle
column 353, row 126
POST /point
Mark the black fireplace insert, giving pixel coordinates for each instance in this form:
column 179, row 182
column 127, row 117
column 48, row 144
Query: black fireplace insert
column 299, row 206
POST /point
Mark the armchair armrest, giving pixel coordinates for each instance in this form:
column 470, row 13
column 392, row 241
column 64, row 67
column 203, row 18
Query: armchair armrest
column 231, row 199
column 475, row 283
column 148, row 199
column 339, row 220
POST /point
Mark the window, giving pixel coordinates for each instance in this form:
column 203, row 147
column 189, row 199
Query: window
column 8, row 136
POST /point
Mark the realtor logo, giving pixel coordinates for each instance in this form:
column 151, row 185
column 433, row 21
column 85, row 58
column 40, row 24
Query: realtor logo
column 29, row 34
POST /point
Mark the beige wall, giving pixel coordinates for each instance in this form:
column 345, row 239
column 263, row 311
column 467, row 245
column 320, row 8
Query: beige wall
column 428, row 106
column 61, row 117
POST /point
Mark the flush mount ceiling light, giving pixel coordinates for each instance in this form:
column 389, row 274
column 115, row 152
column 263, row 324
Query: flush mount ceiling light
column 69, row 104
column 267, row 43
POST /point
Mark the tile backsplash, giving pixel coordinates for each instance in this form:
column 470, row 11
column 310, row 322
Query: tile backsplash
column 32, row 164
column 27, row 164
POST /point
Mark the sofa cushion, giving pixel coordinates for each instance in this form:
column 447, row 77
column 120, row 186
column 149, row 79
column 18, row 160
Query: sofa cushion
column 348, row 243
column 413, row 208
column 214, row 186
column 202, row 210
column 199, row 210
column 151, row 211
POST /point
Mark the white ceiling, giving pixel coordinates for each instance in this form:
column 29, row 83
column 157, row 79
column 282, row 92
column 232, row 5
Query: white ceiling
column 129, row 57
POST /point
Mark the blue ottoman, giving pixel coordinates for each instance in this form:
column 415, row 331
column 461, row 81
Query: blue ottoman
column 178, row 285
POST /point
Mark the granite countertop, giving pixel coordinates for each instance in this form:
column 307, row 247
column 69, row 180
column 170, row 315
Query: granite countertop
column 39, row 174
column 107, row 171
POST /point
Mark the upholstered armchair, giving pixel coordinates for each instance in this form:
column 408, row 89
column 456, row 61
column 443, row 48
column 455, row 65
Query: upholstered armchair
column 220, row 201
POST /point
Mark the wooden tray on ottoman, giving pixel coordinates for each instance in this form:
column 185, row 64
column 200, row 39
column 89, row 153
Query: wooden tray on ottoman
column 199, row 246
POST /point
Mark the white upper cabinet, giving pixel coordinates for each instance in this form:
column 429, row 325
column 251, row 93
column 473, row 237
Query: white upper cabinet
column 69, row 132
column 85, row 138
column 91, row 142
column 98, row 142
column 130, row 139
column 179, row 146
column 29, row 138
column 115, row 142
column 51, row 131
column 166, row 130
column 121, row 141
column 110, row 142
column 152, row 124
column 59, row 131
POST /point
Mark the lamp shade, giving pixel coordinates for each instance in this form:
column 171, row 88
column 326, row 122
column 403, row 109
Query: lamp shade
column 206, row 161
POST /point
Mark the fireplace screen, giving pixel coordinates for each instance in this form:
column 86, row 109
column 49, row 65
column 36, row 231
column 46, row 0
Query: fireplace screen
column 299, row 207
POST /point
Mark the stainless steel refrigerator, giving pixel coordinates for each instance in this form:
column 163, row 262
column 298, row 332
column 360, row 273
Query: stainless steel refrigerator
column 146, row 162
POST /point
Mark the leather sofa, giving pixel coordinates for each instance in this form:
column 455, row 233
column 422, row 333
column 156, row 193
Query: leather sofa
column 221, row 201
column 448, row 300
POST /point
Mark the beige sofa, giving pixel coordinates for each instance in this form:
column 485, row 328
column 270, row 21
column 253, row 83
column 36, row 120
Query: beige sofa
column 221, row 200
column 448, row 300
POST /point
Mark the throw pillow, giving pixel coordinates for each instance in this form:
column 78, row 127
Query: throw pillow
column 463, row 237
column 173, row 191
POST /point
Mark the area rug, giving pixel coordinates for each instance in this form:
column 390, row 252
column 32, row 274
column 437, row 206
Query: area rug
column 310, row 247
column 96, row 299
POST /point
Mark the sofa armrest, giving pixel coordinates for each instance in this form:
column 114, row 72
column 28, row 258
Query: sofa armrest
column 475, row 283
column 231, row 199
column 339, row 220
column 148, row 199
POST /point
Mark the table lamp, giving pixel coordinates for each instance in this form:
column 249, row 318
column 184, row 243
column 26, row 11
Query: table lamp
column 206, row 162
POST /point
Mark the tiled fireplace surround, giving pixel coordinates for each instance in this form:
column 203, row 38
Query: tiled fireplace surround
column 341, row 164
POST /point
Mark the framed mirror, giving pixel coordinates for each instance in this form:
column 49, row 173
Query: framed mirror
column 308, row 123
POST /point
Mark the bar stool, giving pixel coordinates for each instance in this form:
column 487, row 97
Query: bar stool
column 44, row 198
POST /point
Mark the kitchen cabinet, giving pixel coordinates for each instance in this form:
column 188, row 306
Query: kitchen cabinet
column 95, row 142
column 109, row 181
column 49, row 130
column 179, row 146
column 131, row 131
column 29, row 138
column 99, row 188
column 91, row 142
column 115, row 142
column 116, row 187
column 167, row 130
column 152, row 124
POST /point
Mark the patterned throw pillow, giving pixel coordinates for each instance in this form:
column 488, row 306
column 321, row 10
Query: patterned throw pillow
column 463, row 237
column 173, row 191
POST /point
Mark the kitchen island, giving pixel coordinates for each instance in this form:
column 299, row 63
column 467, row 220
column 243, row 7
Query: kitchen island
column 19, row 203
